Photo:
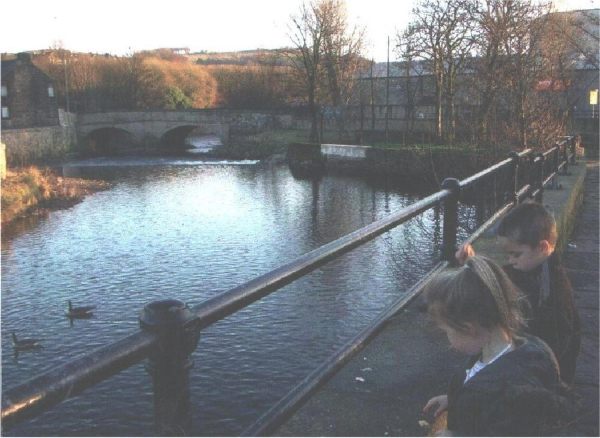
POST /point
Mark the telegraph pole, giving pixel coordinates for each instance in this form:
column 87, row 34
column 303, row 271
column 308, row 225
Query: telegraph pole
column 66, row 84
column 387, row 92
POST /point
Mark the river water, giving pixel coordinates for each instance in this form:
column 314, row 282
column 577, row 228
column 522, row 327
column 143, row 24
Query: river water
column 187, row 229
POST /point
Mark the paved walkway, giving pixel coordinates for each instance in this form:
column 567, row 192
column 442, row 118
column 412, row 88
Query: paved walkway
column 581, row 263
column 381, row 392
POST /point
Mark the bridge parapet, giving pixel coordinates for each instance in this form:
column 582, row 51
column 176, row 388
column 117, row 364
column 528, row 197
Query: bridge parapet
column 148, row 128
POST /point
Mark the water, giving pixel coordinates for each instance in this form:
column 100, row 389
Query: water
column 178, row 228
column 200, row 144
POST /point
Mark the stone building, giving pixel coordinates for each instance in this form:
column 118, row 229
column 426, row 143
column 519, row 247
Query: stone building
column 28, row 95
column 407, row 93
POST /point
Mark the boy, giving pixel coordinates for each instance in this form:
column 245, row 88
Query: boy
column 528, row 236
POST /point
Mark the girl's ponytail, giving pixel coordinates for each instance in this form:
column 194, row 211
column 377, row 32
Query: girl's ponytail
column 479, row 292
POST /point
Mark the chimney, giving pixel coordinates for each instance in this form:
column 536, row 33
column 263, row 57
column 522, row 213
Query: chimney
column 23, row 58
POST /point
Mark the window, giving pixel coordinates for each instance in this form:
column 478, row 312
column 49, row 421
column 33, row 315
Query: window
column 5, row 112
column 4, row 91
column 50, row 90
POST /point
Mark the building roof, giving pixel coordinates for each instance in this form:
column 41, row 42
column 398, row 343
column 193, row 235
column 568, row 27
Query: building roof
column 22, row 59
column 8, row 66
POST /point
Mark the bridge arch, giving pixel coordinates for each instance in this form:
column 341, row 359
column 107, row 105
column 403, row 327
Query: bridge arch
column 175, row 138
column 109, row 141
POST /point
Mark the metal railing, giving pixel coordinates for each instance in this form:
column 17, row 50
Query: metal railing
column 170, row 330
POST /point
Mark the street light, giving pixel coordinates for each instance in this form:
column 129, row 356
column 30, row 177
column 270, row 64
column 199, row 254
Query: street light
column 594, row 101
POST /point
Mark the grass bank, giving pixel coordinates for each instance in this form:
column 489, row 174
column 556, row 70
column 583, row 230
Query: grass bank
column 274, row 142
column 27, row 190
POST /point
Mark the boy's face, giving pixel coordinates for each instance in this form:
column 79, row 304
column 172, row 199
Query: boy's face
column 524, row 257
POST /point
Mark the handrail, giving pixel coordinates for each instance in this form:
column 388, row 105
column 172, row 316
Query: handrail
column 492, row 169
column 45, row 391
column 225, row 304
column 275, row 416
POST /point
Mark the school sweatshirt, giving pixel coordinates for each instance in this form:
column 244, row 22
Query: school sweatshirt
column 519, row 394
column 554, row 318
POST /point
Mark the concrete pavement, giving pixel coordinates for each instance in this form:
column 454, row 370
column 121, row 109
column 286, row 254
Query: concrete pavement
column 581, row 263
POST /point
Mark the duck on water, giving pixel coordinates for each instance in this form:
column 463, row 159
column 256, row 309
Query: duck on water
column 25, row 344
column 79, row 312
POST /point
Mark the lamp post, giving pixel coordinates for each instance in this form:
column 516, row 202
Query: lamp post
column 594, row 101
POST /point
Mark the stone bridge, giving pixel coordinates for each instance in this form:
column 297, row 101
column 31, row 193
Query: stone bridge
column 121, row 131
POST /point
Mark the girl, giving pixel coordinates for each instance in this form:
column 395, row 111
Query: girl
column 511, row 384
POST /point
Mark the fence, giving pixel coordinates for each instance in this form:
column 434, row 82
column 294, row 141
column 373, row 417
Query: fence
column 170, row 330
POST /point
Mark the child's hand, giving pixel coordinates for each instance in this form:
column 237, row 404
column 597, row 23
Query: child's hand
column 440, row 403
column 463, row 253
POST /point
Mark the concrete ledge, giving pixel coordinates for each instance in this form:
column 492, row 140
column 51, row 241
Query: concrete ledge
column 564, row 203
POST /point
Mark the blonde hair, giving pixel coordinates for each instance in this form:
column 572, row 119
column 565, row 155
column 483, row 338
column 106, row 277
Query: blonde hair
column 479, row 292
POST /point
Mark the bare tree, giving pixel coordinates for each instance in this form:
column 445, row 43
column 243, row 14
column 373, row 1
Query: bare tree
column 325, row 56
column 524, row 67
column 405, row 52
column 426, row 41
column 441, row 35
column 306, row 35
column 492, row 18
column 342, row 47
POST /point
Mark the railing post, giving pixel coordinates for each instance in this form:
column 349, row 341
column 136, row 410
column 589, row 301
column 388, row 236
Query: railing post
column 565, row 157
column 511, row 195
column 170, row 364
column 450, row 220
column 573, row 142
column 555, row 167
column 538, row 172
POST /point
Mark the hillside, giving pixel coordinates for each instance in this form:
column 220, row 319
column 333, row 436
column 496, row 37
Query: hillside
column 243, row 57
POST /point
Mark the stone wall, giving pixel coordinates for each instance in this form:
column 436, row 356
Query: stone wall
column 31, row 145
column 252, row 122
column 418, row 166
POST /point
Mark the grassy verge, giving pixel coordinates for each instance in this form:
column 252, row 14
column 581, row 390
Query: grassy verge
column 25, row 190
column 273, row 142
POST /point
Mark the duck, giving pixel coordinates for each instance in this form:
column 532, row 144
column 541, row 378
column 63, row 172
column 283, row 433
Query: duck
column 79, row 312
column 25, row 344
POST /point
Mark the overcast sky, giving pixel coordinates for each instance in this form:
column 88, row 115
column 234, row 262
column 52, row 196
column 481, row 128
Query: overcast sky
column 124, row 26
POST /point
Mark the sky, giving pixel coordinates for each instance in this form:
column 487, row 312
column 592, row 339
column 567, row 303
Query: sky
column 122, row 27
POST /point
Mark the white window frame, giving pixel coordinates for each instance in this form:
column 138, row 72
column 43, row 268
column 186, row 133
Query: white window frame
column 51, row 91
column 4, row 91
column 5, row 112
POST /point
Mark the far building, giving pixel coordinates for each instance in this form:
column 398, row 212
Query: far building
column 29, row 97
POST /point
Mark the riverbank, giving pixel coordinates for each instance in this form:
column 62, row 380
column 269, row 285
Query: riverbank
column 32, row 190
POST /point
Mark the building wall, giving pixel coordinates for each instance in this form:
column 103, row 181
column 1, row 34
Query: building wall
column 29, row 145
column 27, row 99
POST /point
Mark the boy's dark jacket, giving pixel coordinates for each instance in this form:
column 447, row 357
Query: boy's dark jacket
column 516, row 395
column 555, row 321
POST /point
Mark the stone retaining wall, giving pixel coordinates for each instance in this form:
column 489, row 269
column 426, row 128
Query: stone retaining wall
column 250, row 122
column 30, row 145
column 420, row 166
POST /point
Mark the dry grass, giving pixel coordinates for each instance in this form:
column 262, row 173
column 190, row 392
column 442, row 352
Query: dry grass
column 25, row 189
